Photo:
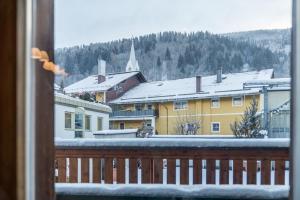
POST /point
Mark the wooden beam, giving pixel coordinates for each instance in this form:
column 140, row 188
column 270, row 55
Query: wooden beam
column 8, row 76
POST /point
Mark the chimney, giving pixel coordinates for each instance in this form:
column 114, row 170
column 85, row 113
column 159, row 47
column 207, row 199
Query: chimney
column 198, row 83
column 219, row 75
column 101, row 70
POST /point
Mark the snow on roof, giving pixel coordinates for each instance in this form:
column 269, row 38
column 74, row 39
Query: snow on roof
column 232, row 84
column 56, row 87
column 275, row 83
column 65, row 99
column 90, row 84
column 120, row 131
column 172, row 191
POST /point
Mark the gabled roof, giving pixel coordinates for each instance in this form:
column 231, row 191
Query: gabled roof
column 90, row 84
column 232, row 84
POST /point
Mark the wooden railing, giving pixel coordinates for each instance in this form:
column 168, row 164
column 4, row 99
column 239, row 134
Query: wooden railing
column 173, row 161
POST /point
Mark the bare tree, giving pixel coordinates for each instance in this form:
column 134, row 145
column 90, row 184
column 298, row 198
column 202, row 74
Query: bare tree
column 187, row 124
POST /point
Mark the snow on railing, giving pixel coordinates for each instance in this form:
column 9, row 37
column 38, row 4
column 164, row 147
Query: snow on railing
column 173, row 161
column 146, row 191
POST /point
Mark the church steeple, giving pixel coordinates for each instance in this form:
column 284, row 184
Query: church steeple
column 132, row 64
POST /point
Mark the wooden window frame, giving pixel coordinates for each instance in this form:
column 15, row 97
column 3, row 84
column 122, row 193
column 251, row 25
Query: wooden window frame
column 13, row 13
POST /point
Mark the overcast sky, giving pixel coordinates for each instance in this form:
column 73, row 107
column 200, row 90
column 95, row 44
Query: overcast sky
column 88, row 21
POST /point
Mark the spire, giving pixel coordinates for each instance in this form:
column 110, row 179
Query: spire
column 132, row 64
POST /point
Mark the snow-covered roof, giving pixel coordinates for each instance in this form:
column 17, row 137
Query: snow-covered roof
column 56, row 87
column 90, row 84
column 271, row 84
column 116, row 132
column 170, row 90
column 67, row 100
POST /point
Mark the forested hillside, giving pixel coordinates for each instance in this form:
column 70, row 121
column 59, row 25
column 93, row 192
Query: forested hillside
column 185, row 55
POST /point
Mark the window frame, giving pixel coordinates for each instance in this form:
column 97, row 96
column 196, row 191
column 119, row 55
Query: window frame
column 71, row 123
column 237, row 105
column 123, row 125
column 137, row 105
column 212, row 127
column 181, row 106
column 90, row 122
column 219, row 103
column 43, row 187
column 98, row 118
column 149, row 105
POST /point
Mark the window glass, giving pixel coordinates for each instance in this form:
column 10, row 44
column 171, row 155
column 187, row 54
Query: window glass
column 139, row 107
column 87, row 122
column 215, row 103
column 122, row 125
column 237, row 101
column 180, row 105
column 99, row 123
column 215, row 127
column 68, row 120
column 149, row 106
column 78, row 121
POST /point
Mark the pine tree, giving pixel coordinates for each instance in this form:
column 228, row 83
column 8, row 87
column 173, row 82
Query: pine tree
column 250, row 125
column 168, row 54
column 158, row 62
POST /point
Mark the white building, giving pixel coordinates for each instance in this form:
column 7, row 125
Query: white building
column 78, row 118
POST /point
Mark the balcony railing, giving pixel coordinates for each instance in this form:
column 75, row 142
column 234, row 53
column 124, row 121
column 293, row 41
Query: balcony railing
column 135, row 113
column 173, row 162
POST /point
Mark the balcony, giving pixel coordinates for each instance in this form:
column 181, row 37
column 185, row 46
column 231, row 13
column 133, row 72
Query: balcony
column 133, row 114
column 172, row 169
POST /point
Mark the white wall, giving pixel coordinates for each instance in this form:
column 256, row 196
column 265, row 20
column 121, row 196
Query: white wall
column 60, row 130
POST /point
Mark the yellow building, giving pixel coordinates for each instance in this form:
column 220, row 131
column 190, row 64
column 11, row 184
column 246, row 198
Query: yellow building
column 211, row 103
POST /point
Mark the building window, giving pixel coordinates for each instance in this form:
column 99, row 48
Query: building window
column 122, row 125
column 88, row 122
column 237, row 101
column 215, row 127
column 78, row 121
column 99, row 124
column 68, row 120
column 149, row 106
column 149, row 124
column 138, row 107
column 215, row 103
column 180, row 105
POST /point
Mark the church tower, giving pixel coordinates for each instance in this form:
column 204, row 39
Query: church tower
column 132, row 64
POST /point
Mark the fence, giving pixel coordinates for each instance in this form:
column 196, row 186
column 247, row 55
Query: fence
column 173, row 161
